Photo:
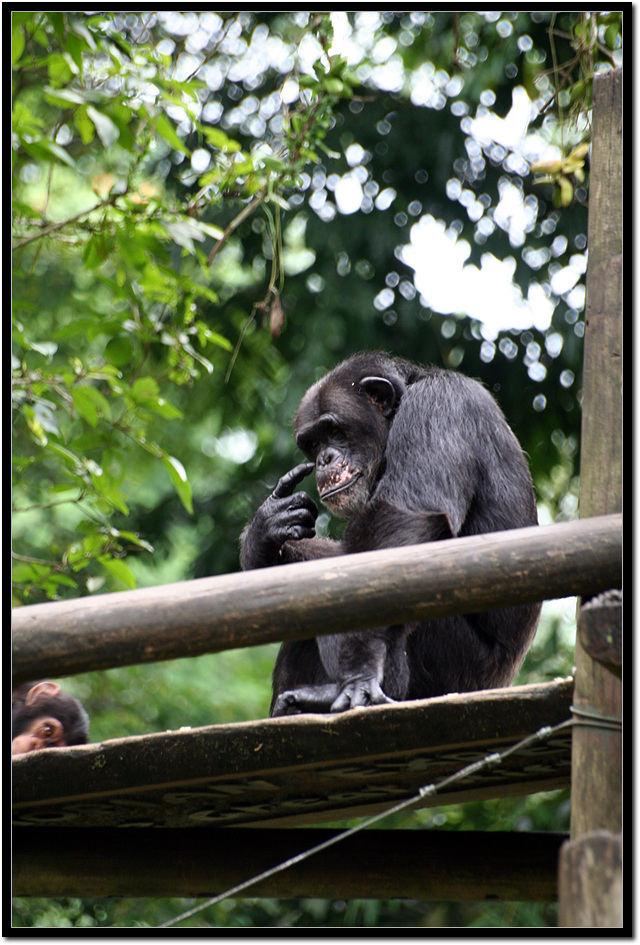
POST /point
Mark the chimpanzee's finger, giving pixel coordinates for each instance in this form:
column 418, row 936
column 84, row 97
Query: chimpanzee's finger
column 290, row 480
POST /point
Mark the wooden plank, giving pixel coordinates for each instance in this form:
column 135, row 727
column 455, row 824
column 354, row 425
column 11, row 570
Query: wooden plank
column 597, row 753
column 297, row 601
column 590, row 882
column 302, row 769
column 407, row 864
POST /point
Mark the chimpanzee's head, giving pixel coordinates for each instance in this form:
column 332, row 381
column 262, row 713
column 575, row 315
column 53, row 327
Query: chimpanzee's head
column 43, row 716
column 342, row 425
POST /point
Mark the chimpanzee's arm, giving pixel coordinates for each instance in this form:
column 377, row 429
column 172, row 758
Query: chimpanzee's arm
column 310, row 549
column 383, row 525
column 431, row 464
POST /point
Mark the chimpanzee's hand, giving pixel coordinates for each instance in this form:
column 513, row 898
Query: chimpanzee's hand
column 284, row 516
column 360, row 692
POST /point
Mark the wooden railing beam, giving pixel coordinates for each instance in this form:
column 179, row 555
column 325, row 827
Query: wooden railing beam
column 418, row 864
column 298, row 601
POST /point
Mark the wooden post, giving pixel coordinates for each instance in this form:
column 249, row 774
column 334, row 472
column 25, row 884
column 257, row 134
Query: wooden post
column 596, row 771
column 590, row 881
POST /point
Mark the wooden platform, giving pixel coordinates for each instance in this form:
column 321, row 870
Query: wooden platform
column 299, row 770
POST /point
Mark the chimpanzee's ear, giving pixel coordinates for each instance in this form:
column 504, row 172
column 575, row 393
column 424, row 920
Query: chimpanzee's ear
column 384, row 394
column 40, row 690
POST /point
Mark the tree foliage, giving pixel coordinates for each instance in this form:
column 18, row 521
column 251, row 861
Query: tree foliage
column 209, row 211
column 170, row 169
column 98, row 115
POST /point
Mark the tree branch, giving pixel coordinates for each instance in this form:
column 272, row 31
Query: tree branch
column 52, row 227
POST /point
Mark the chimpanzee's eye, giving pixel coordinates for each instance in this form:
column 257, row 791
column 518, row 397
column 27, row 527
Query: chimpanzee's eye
column 308, row 445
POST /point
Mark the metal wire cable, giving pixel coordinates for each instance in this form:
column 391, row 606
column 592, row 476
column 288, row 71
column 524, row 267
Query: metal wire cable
column 488, row 761
column 591, row 718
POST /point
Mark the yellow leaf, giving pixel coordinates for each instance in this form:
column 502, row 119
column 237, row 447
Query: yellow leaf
column 547, row 167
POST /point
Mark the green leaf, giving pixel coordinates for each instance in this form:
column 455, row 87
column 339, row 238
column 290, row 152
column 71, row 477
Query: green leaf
column 84, row 124
column 205, row 334
column 280, row 201
column 135, row 540
column 61, row 579
column 273, row 163
column 144, row 391
column 78, row 559
column 90, row 404
column 76, row 47
column 17, row 44
column 183, row 233
column 87, row 441
column 79, row 326
column 62, row 97
column 81, row 29
column 332, row 154
column 206, row 364
column 218, row 139
column 70, row 458
column 118, row 569
column 119, row 351
column 24, row 122
column 47, row 151
column 64, row 487
column 25, row 573
column 179, row 479
column 58, row 68
column 108, row 131
column 208, row 229
column 18, row 16
column 165, row 409
column 611, row 35
column 98, row 248
column 84, row 405
column 46, row 417
column 334, row 86
column 166, row 130
column 107, row 489
column 34, row 425
column 46, row 348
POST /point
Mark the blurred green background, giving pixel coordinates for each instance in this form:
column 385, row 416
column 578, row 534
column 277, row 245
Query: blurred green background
column 210, row 210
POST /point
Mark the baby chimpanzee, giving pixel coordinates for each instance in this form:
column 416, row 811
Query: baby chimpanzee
column 43, row 716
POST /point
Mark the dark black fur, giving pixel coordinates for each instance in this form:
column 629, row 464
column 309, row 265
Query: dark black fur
column 407, row 455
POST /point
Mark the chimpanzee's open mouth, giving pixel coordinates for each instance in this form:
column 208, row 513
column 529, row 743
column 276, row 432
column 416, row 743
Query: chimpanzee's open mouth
column 334, row 490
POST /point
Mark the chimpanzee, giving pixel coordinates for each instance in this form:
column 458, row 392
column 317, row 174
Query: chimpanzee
column 44, row 716
column 406, row 454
